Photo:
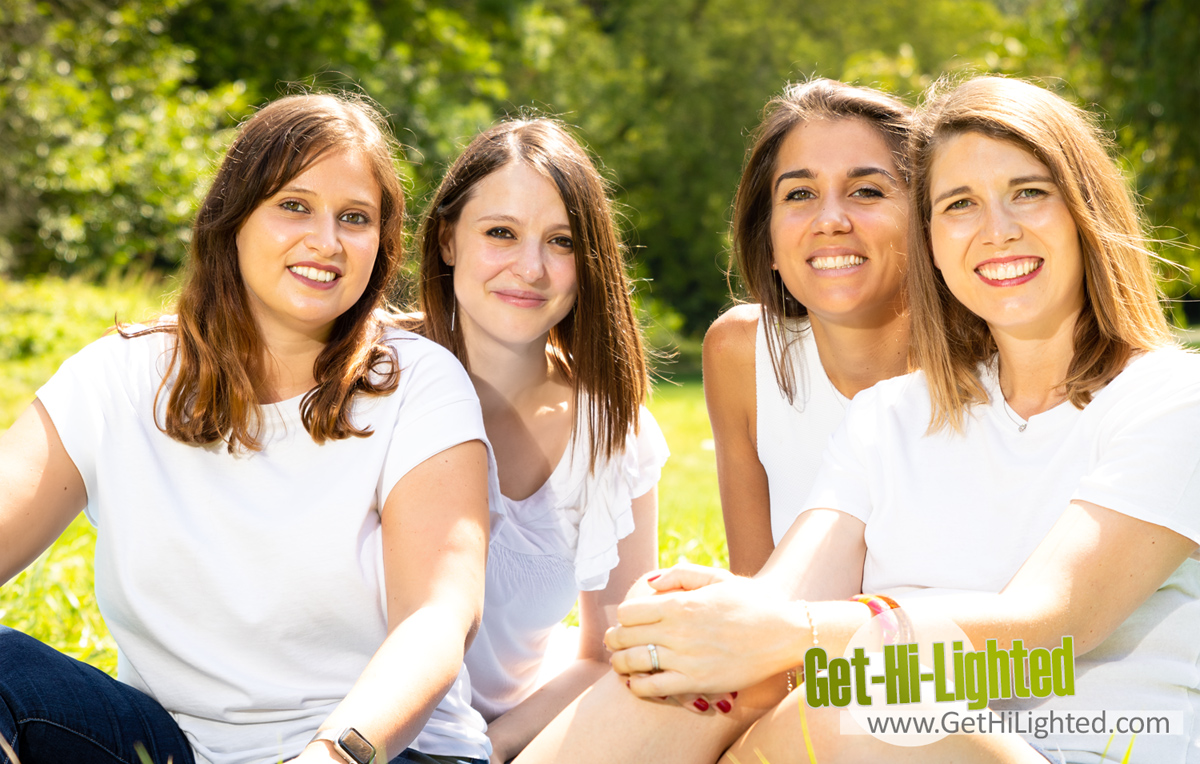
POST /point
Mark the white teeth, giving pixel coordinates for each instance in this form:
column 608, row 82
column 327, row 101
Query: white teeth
column 1006, row 271
column 840, row 261
column 315, row 274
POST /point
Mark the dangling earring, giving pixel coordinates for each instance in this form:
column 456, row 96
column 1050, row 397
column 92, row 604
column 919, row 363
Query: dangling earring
column 782, row 299
column 453, row 311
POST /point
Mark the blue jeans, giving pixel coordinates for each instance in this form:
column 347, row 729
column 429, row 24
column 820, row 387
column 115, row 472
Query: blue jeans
column 55, row 709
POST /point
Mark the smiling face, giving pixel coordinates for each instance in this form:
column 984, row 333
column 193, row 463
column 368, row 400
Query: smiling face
column 513, row 259
column 306, row 253
column 839, row 221
column 1003, row 237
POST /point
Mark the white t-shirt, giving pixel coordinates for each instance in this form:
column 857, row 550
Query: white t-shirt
column 547, row 548
column 791, row 436
column 246, row 591
column 952, row 512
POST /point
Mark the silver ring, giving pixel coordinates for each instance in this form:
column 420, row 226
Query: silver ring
column 654, row 667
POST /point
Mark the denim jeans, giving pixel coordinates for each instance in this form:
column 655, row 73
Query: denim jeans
column 55, row 709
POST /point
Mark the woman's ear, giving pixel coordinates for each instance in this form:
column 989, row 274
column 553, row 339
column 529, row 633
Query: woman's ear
column 446, row 242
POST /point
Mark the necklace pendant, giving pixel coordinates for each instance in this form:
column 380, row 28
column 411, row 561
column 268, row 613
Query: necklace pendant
column 1022, row 427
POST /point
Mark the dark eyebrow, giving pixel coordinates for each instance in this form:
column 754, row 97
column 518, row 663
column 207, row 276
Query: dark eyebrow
column 1030, row 179
column 862, row 172
column 952, row 192
column 805, row 174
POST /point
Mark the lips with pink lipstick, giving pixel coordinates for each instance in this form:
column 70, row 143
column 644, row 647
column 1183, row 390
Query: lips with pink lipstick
column 833, row 260
column 1009, row 271
column 520, row 298
column 314, row 275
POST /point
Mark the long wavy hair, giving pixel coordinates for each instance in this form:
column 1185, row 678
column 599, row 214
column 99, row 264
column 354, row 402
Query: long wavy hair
column 1121, row 313
column 753, row 251
column 216, row 375
column 598, row 345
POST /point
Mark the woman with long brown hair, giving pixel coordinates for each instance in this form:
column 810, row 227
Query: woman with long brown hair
column 1037, row 483
column 819, row 227
column 523, row 277
column 290, row 497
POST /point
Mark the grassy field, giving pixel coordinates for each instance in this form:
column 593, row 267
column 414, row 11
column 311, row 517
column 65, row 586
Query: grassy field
column 44, row 322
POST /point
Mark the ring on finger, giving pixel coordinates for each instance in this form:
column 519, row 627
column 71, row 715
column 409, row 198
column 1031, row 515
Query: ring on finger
column 654, row 667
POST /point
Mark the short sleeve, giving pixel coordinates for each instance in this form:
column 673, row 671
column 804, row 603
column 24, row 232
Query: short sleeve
column 438, row 409
column 1147, row 461
column 91, row 389
column 649, row 453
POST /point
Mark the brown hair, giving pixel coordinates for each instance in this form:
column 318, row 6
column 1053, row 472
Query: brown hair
column 216, row 373
column 602, row 356
column 1121, row 313
column 752, row 248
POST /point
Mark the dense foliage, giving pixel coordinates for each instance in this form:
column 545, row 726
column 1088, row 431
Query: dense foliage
column 113, row 111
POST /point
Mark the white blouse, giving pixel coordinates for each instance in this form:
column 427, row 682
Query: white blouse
column 547, row 548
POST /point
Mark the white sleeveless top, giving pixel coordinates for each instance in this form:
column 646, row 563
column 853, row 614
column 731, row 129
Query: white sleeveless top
column 547, row 548
column 791, row 437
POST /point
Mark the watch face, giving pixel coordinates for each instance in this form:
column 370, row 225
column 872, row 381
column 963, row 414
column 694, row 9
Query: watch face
column 357, row 746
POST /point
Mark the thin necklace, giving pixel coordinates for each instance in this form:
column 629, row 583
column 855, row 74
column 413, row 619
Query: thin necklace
column 1012, row 415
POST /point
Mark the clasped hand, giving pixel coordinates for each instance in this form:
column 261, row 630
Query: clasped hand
column 713, row 632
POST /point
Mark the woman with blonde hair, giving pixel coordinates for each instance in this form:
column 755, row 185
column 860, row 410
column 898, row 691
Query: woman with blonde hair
column 1038, row 479
column 523, row 278
column 290, row 497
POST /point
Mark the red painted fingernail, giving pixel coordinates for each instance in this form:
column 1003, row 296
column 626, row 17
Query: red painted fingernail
column 651, row 578
column 724, row 706
column 733, row 695
column 662, row 697
column 701, row 704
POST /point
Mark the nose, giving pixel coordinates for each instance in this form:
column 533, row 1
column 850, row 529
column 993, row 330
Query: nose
column 1000, row 226
column 324, row 237
column 530, row 261
column 832, row 217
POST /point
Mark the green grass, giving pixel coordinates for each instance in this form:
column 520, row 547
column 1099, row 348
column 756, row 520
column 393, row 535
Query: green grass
column 42, row 322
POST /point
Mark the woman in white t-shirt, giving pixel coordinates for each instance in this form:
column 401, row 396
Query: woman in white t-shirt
column 523, row 278
column 819, row 228
column 290, row 498
column 1038, row 479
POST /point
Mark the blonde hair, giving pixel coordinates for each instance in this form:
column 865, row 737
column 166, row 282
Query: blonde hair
column 753, row 251
column 1121, row 314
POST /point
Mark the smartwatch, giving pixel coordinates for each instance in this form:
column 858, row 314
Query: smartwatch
column 349, row 744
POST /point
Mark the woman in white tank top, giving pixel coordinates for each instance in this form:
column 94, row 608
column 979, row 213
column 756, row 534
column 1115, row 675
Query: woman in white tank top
column 819, row 238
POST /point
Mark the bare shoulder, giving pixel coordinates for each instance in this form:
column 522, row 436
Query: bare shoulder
column 730, row 339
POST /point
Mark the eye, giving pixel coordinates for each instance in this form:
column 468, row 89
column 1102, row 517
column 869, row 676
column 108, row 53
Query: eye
column 564, row 242
column 799, row 195
column 958, row 204
column 499, row 232
column 355, row 218
column 293, row 205
column 1031, row 193
column 868, row 192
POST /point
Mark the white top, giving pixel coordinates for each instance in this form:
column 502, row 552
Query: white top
column 948, row 512
column 792, row 436
column 246, row 591
column 546, row 549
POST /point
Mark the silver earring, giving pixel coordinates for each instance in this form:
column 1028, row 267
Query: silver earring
column 453, row 312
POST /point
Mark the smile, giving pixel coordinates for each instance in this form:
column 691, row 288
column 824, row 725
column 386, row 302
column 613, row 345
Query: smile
column 313, row 274
column 1009, row 271
column 829, row 263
